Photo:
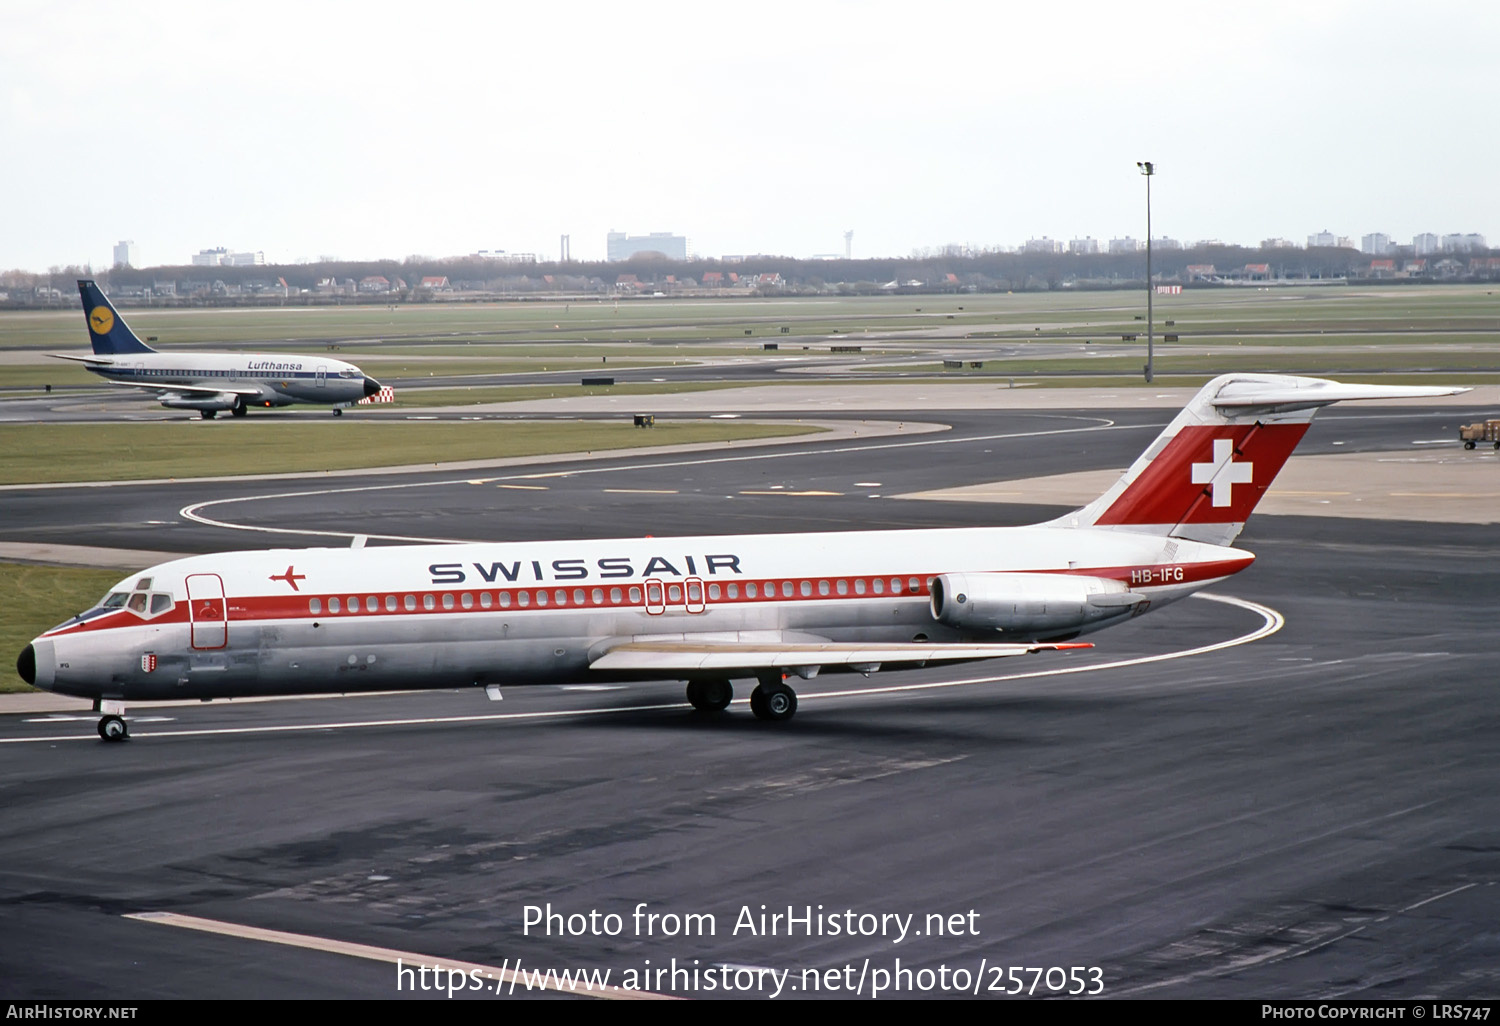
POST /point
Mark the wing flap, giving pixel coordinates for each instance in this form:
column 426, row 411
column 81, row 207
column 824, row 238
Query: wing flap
column 679, row 656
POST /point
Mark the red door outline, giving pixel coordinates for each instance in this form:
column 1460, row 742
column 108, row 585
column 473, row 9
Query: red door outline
column 207, row 618
column 656, row 597
column 692, row 595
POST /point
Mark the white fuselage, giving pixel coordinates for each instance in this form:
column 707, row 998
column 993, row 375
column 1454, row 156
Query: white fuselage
column 264, row 379
column 334, row 620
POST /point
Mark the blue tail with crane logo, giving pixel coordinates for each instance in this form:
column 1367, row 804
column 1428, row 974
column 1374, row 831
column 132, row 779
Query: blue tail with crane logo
column 108, row 332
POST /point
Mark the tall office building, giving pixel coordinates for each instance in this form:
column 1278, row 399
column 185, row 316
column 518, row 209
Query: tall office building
column 619, row 246
column 125, row 254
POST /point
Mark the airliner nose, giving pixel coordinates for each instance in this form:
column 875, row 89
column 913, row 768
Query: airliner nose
column 26, row 665
column 371, row 385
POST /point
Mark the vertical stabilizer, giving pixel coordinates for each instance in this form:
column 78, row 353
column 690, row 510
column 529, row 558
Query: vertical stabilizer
column 1208, row 470
column 108, row 332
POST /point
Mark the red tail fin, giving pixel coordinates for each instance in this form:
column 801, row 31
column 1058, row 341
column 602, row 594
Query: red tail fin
column 1207, row 471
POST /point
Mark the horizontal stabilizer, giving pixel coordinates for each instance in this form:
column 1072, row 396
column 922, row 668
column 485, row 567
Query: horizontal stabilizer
column 1311, row 393
column 689, row 656
column 97, row 361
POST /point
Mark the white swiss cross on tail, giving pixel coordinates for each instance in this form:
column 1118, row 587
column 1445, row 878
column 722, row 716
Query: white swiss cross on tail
column 1223, row 471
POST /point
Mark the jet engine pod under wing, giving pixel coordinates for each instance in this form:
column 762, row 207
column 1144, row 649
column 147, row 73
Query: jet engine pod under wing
column 1028, row 603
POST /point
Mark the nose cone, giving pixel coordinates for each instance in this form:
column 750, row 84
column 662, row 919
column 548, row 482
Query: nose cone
column 37, row 664
column 371, row 385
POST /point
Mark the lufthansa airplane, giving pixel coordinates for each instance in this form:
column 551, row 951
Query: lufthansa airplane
column 210, row 382
column 706, row 610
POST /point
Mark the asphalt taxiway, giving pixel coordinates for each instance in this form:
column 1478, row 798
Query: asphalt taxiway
column 1306, row 811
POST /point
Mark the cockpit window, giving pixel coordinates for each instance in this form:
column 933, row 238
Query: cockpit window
column 137, row 603
column 144, row 584
column 114, row 600
column 160, row 603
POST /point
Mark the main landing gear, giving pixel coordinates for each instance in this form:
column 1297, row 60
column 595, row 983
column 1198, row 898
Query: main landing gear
column 771, row 700
column 710, row 695
column 240, row 408
column 112, row 725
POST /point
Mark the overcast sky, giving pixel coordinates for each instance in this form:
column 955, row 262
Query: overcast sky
column 369, row 130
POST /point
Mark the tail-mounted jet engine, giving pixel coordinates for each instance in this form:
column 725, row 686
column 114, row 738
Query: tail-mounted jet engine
column 1028, row 603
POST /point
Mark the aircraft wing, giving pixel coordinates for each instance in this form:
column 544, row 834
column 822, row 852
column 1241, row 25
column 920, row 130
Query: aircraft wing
column 692, row 656
column 189, row 390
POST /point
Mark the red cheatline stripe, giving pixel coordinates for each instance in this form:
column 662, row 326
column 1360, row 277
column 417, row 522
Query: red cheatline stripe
column 508, row 600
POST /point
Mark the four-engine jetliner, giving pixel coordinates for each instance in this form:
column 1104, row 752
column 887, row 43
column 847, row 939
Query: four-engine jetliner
column 703, row 609
column 210, row 382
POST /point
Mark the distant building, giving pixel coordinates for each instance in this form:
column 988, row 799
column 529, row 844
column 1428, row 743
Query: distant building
column 211, row 257
column 1459, row 243
column 619, row 246
column 1084, row 246
column 1382, row 268
column 1125, row 245
column 1426, row 244
column 1376, row 244
column 1165, row 242
column 256, row 259
column 1042, row 245
column 1278, row 244
column 1324, row 238
column 1199, row 272
column 125, row 254
column 436, row 283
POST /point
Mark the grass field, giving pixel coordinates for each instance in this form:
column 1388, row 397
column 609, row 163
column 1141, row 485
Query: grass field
column 39, row 597
column 37, row 453
column 1297, row 309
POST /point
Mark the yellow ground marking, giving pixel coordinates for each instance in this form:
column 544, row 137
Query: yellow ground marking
column 499, row 975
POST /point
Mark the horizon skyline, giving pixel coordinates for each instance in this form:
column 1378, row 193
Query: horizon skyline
column 977, row 125
column 929, row 252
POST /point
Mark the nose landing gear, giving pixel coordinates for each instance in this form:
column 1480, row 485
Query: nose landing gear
column 112, row 725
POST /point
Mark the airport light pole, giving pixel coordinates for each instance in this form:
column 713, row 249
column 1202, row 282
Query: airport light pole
column 1148, row 169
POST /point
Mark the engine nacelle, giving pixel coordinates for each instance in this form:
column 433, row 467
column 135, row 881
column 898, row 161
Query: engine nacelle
column 1027, row 603
column 211, row 402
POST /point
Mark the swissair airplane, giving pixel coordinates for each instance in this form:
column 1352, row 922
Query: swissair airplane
column 702, row 609
column 210, row 382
